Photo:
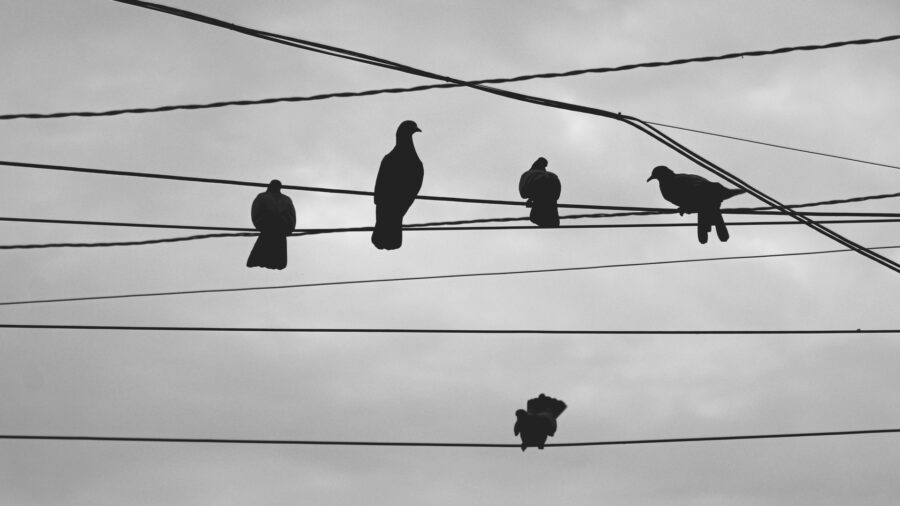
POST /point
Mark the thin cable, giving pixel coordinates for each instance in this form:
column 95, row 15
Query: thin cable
column 516, row 203
column 123, row 439
column 193, row 179
column 424, row 278
column 345, row 330
column 779, row 146
column 13, row 219
column 556, row 104
column 413, row 228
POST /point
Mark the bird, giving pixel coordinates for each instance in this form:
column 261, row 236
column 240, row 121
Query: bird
column 274, row 216
column 396, row 187
column 542, row 188
column 538, row 421
column 696, row 194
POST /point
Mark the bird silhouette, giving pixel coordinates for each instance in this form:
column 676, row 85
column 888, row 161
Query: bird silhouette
column 538, row 421
column 398, row 182
column 541, row 187
column 695, row 194
column 274, row 216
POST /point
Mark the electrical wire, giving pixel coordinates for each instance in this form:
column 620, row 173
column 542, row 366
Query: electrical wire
column 121, row 439
column 345, row 330
column 13, row 219
column 193, row 179
column 779, row 146
column 320, row 189
column 629, row 120
column 432, row 277
column 527, row 77
column 410, row 228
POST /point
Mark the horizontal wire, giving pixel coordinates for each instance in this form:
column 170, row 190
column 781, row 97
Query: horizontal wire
column 14, row 219
column 417, row 228
column 56, row 221
column 771, row 145
column 433, row 277
column 347, row 330
column 121, row 439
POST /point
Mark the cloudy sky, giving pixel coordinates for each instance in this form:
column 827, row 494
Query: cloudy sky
column 61, row 55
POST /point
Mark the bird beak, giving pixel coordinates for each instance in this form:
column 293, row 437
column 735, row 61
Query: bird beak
column 649, row 178
column 417, row 130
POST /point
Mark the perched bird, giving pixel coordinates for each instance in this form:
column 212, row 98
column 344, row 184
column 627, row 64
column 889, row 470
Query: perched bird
column 695, row 194
column 274, row 216
column 398, row 182
column 541, row 187
column 538, row 421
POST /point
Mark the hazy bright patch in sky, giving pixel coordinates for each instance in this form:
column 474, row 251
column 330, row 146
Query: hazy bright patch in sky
column 94, row 55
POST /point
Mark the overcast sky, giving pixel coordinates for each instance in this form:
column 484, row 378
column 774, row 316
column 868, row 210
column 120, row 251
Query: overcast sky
column 61, row 55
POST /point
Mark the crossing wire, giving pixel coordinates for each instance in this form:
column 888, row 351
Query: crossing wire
column 433, row 277
column 130, row 439
column 632, row 121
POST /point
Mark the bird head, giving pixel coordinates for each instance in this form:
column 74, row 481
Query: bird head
column 407, row 128
column 539, row 164
column 274, row 186
column 660, row 172
column 521, row 413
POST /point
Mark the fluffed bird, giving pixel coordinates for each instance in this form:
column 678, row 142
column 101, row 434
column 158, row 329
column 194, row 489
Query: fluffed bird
column 274, row 216
column 695, row 194
column 538, row 421
column 541, row 187
column 396, row 187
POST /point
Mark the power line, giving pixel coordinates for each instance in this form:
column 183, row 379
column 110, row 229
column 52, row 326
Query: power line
column 527, row 77
column 779, row 146
column 333, row 330
column 14, row 219
column 516, row 203
column 424, row 278
column 193, row 179
column 124, row 439
column 632, row 121
column 320, row 231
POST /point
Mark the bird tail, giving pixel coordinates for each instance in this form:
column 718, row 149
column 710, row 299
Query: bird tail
column 731, row 192
column 388, row 232
column 545, row 214
column 269, row 251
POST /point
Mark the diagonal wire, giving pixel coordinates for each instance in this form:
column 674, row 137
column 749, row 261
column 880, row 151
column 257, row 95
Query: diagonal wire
column 771, row 145
column 629, row 120
column 432, row 277
column 133, row 439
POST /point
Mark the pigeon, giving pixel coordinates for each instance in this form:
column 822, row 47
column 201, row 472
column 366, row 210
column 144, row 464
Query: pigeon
column 538, row 421
column 398, row 182
column 541, row 187
column 274, row 216
column 695, row 194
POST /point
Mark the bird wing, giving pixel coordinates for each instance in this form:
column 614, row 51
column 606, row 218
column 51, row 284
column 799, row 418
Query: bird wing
column 687, row 191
